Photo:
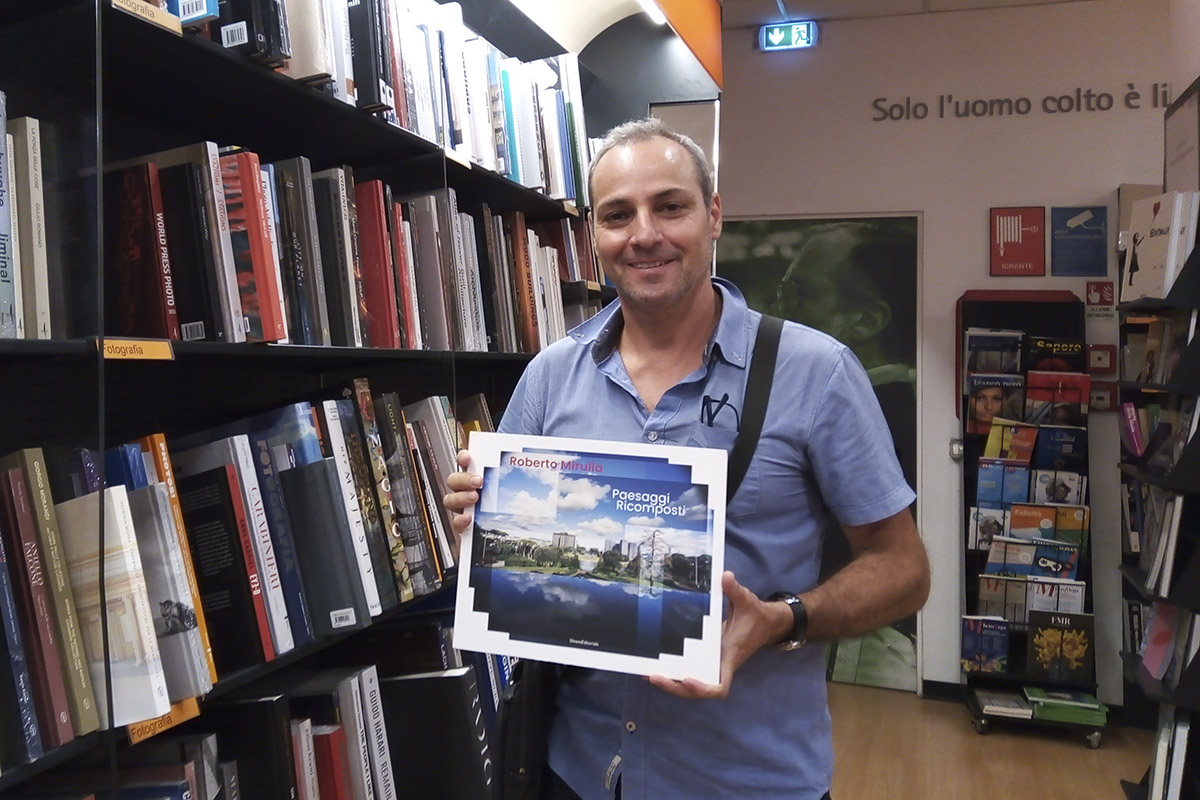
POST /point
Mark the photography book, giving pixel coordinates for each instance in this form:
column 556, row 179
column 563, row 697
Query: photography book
column 595, row 554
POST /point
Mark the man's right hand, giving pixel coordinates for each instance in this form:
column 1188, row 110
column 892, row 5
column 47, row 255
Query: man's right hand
column 463, row 493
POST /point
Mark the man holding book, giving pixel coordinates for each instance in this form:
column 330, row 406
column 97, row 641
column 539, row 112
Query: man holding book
column 641, row 371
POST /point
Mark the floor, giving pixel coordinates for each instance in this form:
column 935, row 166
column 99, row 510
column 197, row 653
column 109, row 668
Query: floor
column 891, row 744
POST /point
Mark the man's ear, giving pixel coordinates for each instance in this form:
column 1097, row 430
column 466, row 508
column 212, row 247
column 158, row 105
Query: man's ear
column 714, row 212
column 869, row 320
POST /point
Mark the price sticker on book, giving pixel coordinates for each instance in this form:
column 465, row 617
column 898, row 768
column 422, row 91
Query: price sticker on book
column 138, row 350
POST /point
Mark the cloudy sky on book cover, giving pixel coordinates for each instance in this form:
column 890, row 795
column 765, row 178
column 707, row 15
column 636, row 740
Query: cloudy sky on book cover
column 595, row 554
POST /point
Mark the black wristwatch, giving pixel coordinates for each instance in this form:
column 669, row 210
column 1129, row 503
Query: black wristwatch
column 799, row 634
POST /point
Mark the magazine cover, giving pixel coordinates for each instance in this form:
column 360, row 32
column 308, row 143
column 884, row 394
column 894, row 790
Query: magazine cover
column 595, row 554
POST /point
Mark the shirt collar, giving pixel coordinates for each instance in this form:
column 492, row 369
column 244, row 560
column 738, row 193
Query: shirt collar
column 730, row 341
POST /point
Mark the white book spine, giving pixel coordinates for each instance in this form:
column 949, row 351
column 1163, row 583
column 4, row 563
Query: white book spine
column 268, row 187
column 8, row 293
column 312, row 40
column 227, row 287
column 358, row 530
column 14, row 221
column 476, row 75
column 350, row 702
column 341, row 202
column 133, row 701
column 35, row 280
column 264, row 550
column 381, row 757
column 307, row 785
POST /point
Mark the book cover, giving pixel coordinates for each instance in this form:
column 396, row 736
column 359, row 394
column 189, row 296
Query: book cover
column 230, row 592
column 1061, row 647
column 194, row 271
column 1028, row 521
column 1016, row 483
column 139, row 288
column 993, row 395
column 1072, row 524
column 1058, row 486
column 235, row 451
column 1055, row 354
column 1056, row 398
column 257, row 732
column 301, row 265
column 373, row 447
column 1061, row 447
column 1010, row 440
column 1002, row 596
column 984, row 644
column 1060, row 697
column 1010, row 557
column 325, row 551
column 1001, row 703
column 1053, row 559
column 1018, row 241
column 413, row 525
column 1155, row 226
column 42, row 648
column 139, row 686
column 154, row 449
column 334, row 442
column 333, row 763
column 991, row 350
column 80, row 696
column 170, row 595
column 505, row 593
column 20, row 737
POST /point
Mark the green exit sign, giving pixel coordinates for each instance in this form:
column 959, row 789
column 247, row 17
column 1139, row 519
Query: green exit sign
column 787, row 35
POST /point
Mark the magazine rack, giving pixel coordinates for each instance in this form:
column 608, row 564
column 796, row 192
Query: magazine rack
column 1058, row 314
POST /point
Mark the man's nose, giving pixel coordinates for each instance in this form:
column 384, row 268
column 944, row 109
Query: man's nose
column 646, row 232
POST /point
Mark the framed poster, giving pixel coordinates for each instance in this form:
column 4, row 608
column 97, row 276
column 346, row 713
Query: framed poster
column 1018, row 241
column 856, row 279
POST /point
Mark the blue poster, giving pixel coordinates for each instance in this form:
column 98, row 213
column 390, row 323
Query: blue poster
column 1079, row 241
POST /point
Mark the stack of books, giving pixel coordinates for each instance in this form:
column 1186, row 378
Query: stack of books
column 1066, row 706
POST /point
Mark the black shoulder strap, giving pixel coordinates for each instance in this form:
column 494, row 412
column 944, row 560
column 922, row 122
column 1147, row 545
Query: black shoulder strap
column 754, row 404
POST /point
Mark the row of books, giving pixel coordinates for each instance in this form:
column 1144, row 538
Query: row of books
column 1059, row 646
column 1037, row 397
column 223, row 551
column 1034, row 702
column 1012, row 597
column 415, row 63
column 1154, row 344
column 1029, row 521
column 1014, row 352
column 1167, row 643
column 1001, row 483
column 1162, row 232
column 1154, row 436
column 339, row 733
column 24, row 283
column 1151, row 518
column 1061, row 447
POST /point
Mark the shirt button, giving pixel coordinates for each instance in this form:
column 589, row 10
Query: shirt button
column 631, row 726
column 652, row 436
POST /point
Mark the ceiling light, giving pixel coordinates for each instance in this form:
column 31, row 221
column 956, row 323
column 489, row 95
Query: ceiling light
column 653, row 12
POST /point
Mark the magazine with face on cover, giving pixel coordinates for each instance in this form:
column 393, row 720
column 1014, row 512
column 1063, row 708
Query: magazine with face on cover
column 595, row 554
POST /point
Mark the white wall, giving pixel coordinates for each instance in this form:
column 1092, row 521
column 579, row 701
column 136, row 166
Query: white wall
column 1185, row 33
column 799, row 138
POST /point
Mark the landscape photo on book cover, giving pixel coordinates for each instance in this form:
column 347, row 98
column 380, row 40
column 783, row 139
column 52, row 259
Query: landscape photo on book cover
column 596, row 554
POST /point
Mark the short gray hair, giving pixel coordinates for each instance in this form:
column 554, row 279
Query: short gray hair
column 641, row 130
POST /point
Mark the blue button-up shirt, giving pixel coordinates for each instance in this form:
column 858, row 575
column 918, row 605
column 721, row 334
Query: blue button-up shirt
column 825, row 447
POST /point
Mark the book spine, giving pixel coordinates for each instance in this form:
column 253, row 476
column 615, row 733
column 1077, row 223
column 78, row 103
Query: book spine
column 381, row 759
column 9, row 167
column 54, row 714
column 404, row 292
column 8, row 296
column 264, row 549
column 306, row 764
column 418, row 327
column 276, row 250
column 350, row 700
column 84, row 718
column 358, row 532
column 333, row 768
column 266, row 277
column 368, row 507
column 156, row 445
column 379, row 478
column 412, row 524
column 166, row 283
column 24, row 721
column 358, row 293
column 310, row 239
column 138, row 701
column 35, row 280
column 526, row 302
column 247, row 540
column 284, row 542
column 378, row 286
column 438, row 523
column 334, row 261
column 222, row 243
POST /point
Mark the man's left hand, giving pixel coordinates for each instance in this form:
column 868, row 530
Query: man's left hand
column 750, row 625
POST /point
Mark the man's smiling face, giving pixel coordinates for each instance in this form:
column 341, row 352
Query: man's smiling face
column 654, row 234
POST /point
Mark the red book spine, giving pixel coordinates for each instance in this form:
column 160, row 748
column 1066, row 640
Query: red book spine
column 33, row 599
column 379, row 287
column 241, row 176
column 403, row 274
column 243, row 523
column 333, row 762
column 166, row 284
column 525, row 292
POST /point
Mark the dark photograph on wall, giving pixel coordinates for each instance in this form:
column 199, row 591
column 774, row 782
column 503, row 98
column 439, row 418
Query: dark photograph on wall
column 854, row 278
